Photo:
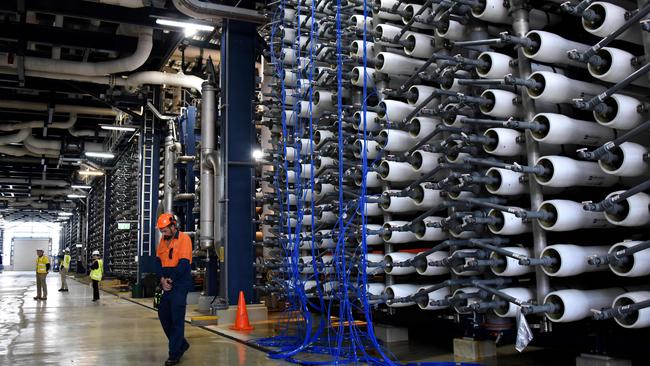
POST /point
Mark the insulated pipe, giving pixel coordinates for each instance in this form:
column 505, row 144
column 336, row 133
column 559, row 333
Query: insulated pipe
column 496, row 65
column 636, row 265
column 635, row 210
column 424, row 162
column 616, row 67
column 357, row 80
column 51, row 192
column 373, row 180
column 451, row 29
column 637, row 319
column 424, row 269
column 124, row 3
column 371, row 121
column 510, row 310
column 20, row 151
column 36, row 182
column 397, row 237
column 372, row 149
column 44, row 107
column 510, row 266
column 427, row 198
column 419, row 45
column 387, row 4
column 560, row 129
column 551, row 48
column 556, row 88
column 213, row 13
column 395, row 171
column 567, row 172
column 438, row 295
column 508, row 183
column 396, row 140
column 419, row 94
column 424, row 232
column 393, row 110
column 39, row 124
column 610, row 18
column 398, row 257
column 569, row 215
column 505, row 142
column 502, row 104
column 508, row 224
column 621, row 113
column 421, row 127
column 400, row 291
column 574, row 305
column 388, row 32
column 129, row 63
column 571, row 260
column 495, row 11
column 356, row 49
column 396, row 204
column 630, row 161
column 17, row 137
column 468, row 301
column 210, row 168
column 371, row 239
column 391, row 63
column 169, row 172
column 359, row 21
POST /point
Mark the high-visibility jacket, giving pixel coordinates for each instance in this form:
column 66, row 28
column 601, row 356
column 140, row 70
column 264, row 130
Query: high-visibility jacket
column 66, row 261
column 41, row 264
column 175, row 259
column 96, row 274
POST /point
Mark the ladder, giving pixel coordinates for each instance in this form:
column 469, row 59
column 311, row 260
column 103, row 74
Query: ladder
column 146, row 187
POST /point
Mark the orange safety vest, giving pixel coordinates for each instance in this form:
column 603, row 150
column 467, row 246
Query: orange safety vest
column 180, row 247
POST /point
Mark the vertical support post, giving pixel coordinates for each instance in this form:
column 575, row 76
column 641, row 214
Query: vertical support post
column 645, row 36
column 521, row 26
column 105, row 222
column 186, row 174
column 238, row 139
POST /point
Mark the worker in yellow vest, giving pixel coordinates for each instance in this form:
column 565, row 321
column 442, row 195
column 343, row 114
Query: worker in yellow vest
column 96, row 272
column 64, row 268
column 42, row 268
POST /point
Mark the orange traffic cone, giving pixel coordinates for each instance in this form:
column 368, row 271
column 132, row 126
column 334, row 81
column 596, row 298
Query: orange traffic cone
column 241, row 321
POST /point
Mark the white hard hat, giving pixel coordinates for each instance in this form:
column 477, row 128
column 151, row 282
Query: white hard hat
column 39, row 250
column 95, row 252
column 67, row 249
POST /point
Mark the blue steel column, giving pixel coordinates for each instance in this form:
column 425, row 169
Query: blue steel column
column 186, row 175
column 106, row 219
column 238, row 136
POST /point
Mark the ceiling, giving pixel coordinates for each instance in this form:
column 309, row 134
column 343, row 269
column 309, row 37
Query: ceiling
column 80, row 31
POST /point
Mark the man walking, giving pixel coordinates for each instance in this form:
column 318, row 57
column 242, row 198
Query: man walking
column 42, row 268
column 96, row 273
column 64, row 268
column 174, row 269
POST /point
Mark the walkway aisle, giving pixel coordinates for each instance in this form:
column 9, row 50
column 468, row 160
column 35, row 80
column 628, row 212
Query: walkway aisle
column 69, row 329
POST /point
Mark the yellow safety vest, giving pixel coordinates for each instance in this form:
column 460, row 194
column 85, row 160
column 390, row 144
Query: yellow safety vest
column 96, row 274
column 41, row 264
column 66, row 261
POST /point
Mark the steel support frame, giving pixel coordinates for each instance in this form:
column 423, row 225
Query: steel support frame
column 238, row 54
column 185, row 171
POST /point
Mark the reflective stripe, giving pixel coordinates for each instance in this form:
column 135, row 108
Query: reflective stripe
column 41, row 264
column 96, row 274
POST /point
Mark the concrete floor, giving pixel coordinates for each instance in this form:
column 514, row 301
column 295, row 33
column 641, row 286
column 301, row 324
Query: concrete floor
column 69, row 329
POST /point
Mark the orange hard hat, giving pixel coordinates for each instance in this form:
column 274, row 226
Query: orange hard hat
column 165, row 220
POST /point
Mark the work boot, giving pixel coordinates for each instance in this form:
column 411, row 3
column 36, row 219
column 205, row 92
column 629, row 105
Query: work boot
column 172, row 362
column 60, row 290
column 37, row 298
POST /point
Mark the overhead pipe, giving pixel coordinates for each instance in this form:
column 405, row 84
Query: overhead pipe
column 125, row 64
column 213, row 13
column 35, row 182
column 62, row 108
column 40, row 124
column 20, row 136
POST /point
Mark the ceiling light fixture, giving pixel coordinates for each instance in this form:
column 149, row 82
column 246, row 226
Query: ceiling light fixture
column 63, row 213
column 90, row 172
column 98, row 154
column 118, row 128
column 76, row 196
column 80, row 186
column 188, row 28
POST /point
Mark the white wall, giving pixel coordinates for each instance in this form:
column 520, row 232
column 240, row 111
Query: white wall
column 29, row 230
column 25, row 252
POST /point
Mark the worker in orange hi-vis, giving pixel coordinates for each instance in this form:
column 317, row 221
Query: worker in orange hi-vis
column 174, row 261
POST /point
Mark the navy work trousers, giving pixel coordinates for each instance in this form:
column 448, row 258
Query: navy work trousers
column 171, row 313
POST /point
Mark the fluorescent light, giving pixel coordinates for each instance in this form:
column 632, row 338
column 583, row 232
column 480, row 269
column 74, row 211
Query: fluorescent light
column 188, row 27
column 118, row 128
column 98, row 154
column 76, row 196
column 79, row 245
column 258, row 154
column 63, row 213
column 90, row 172
column 80, row 186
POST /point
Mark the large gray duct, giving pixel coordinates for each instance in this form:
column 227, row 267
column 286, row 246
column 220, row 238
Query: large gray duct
column 210, row 165
column 36, row 182
column 40, row 124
